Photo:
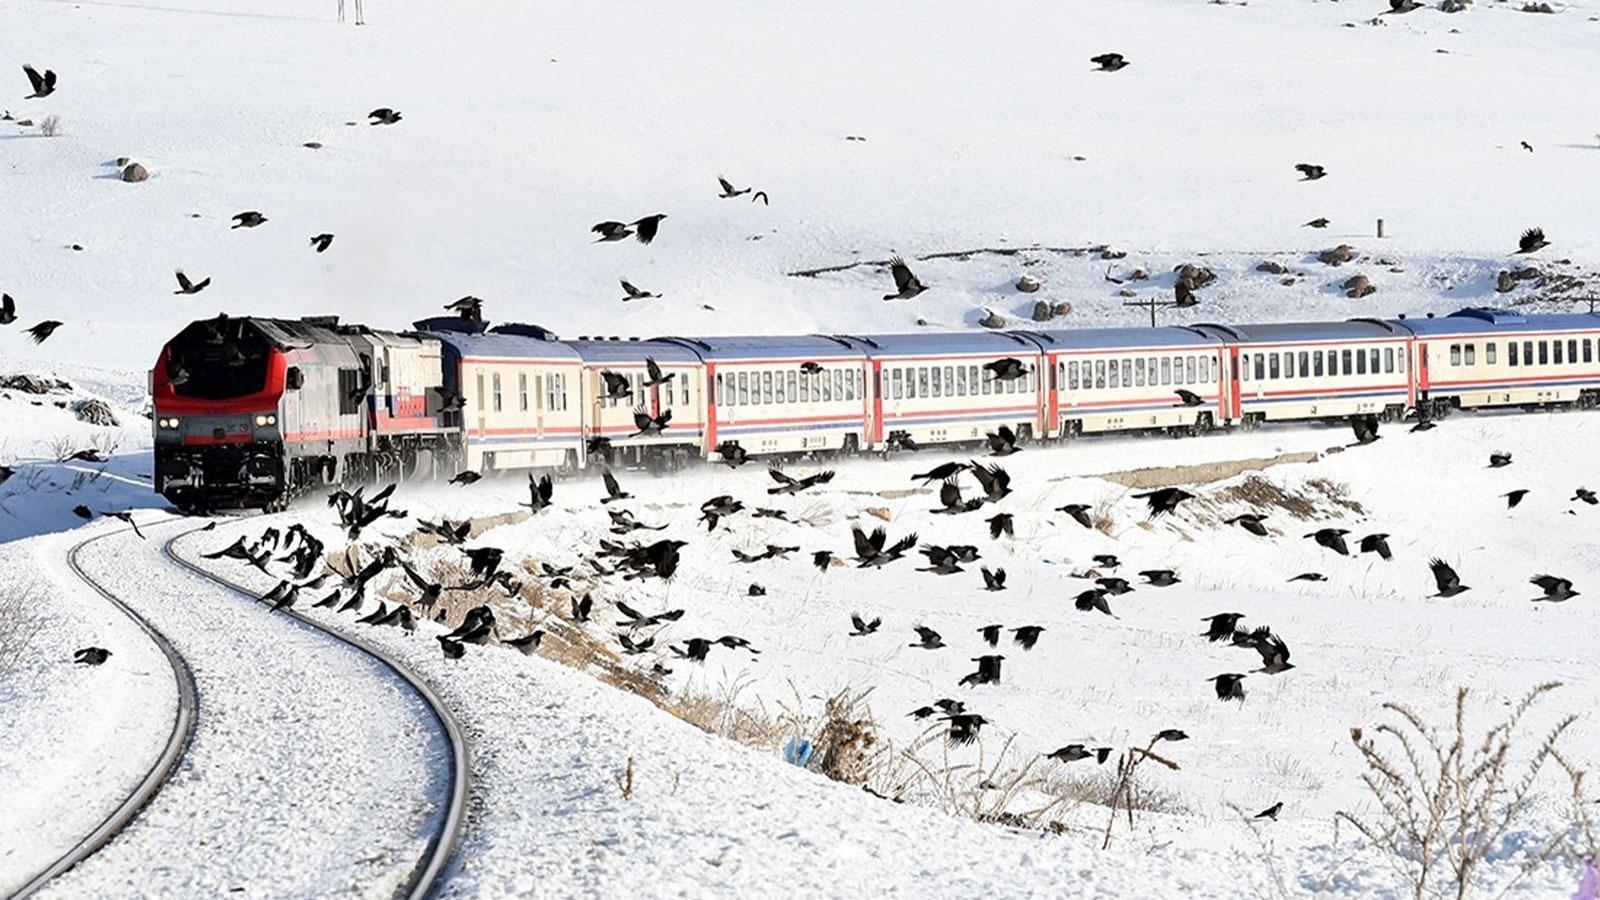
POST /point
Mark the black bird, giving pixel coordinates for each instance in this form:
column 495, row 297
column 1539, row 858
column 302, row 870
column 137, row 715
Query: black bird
column 653, row 371
column 1109, row 62
column 87, row 455
column 1160, row 577
column 1002, row 441
column 762, row 196
column 1499, row 460
column 43, row 330
column 611, row 231
column 1114, row 586
column 465, row 478
column 906, row 284
column 1091, row 600
column 617, row 387
column 1316, row 223
column 764, row 512
column 1272, row 811
column 185, row 286
column 1250, row 522
column 921, row 712
column 1027, row 635
column 1188, row 398
column 329, row 601
column 1365, row 428
column 322, row 242
column 1310, row 576
column 928, row 639
column 8, row 309
column 614, row 490
column 694, row 649
column 1532, row 239
column 645, row 229
column 43, row 85
column 1311, row 171
column 634, row 293
column 718, row 507
column 863, row 628
column 940, row 472
column 995, row 481
column 1171, row 734
column 728, row 190
column 942, row 561
column 540, row 492
column 632, row 647
column 1332, row 538
column 5, row 473
column 1274, row 653
column 1586, row 496
column 83, row 512
column 964, row 727
column 528, row 643
column 993, row 581
column 870, row 551
column 124, row 516
column 732, row 454
column 431, row 591
column 1000, row 523
column 991, row 634
column 951, row 502
column 811, row 368
column 1165, row 500
column 581, row 607
column 452, row 649
column 1525, row 145
column 485, row 560
column 383, row 115
column 899, row 440
column 248, row 219
column 469, row 308
column 1106, row 560
column 91, row 656
column 1222, row 626
column 1074, row 752
column 822, row 559
column 790, row 485
column 1377, row 543
column 988, row 671
column 650, row 426
column 1079, row 512
column 1555, row 589
column 1514, row 497
column 1448, row 581
column 1229, row 686
column 1007, row 369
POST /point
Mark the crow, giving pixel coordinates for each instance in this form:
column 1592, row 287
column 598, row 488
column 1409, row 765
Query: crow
column 1106, row 560
column 1403, row 6
column 1310, row 576
column 616, row 386
column 5, row 473
column 1027, row 635
column 899, row 440
column 1525, row 145
column 763, row 512
column 322, row 242
column 329, row 601
column 247, row 219
column 43, row 85
column 928, row 639
column 988, row 671
column 1274, row 653
column 1171, row 734
column 1079, row 512
column 732, row 454
column 1159, row 577
column 611, row 231
column 581, row 608
column 430, row 590
column 1002, row 441
column 43, row 330
column 632, row 647
column 653, row 371
column 126, row 517
column 452, row 649
column 465, row 478
column 995, row 481
column 540, row 492
column 991, row 634
column 870, row 551
column 1222, row 626
column 1586, row 496
column 8, row 309
column 941, row 472
column 1448, row 581
column 1229, row 686
column 1007, row 369
column 1164, row 501
column 999, row 524
column 91, row 656
column 528, row 643
column 634, row 293
column 185, row 286
column 1316, row 223
column 1109, row 62
column 864, row 628
column 762, row 196
column 1514, row 497
column 789, row 485
column 822, row 559
column 716, row 508
column 383, row 115
column 1272, row 811
column 951, row 502
column 485, row 560
column 1332, row 538
column 1091, row 600
column 83, row 512
column 964, row 727
column 993, row 581
column 941, row 560
column 1188, row 398
column 1250, row 522
column 1377, row 543
column 728, row 190
column 811, row 368
column 1531, row 240
column 1311, row 171
column 906, row 284
column 1114, row 586
column 1365, row 428
column 613, row 489
column 1499, row 460
column 373, row 617
column 468, row 307
column 645, row 229
column 1074, row 752
column 649, row 426
column 1556, row 590
column 921, row 712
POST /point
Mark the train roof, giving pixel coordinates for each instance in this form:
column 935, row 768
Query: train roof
column 1297, row 332
column 940, row 343
column 632, row 351
column 1120, row 338
column 762, row 347
column 1479, row 320
column 285, row 334
column 503, row 346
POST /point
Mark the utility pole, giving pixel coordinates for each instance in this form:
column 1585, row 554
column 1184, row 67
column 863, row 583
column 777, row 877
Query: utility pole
column 1152, row 304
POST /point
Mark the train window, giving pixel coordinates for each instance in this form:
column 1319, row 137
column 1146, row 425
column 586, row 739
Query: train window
column 936, row 381
column 1072, row 375
column 480, row 392
column 1138, row 371
column 522, row 391
column 1260, row 367
column 961, row 381
column 1316, row 363
column 949, row 381
column 719, row 393
column 896, row 384
column 973, row 376
column 1273, row 368
column 779, row 393
column 1527, row 353
column 1361, row 362
column 766, row 388
column 1305, row 364
column 794, row 388
column 1242, row 365
column 744, row 388
column 683, row 384
column 494, row 382
column 1374, row 354
column 1333, row 362
column 350, row 392
column 1588, row 351
column 1127, row 373
column 1572, row 350
column 1166, row 370
column 1388, row 359
column 1490, row 352
column 1344, row 362
column 1544, row 353
column 560, row 382
column 1557, row 359
column 1469, row 354
column 1115, row 377
column 1190, row 368
column 1511, row 354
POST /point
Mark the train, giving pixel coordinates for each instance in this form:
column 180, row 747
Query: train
column 253, row 411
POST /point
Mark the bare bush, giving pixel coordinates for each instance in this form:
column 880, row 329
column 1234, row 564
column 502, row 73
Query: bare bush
column 1447, row 800
column 18, row 626
column 50, row 126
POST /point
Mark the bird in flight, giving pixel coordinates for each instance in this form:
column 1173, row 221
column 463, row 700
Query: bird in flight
column 1531, row 240
column 322, row 242
column 185, row 286
column 634, row 293
column 8, row 309
column 728, row 190
column 383, row 115
column 906, row 284
column 1109, row 62
column 43, row 330
column 1311, row 171
column 43, row 85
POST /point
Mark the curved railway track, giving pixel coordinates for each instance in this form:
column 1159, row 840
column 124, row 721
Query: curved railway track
column 183, row 725
column 441, row 847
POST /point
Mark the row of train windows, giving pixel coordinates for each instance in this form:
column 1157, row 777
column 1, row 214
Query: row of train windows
column 767, row 388
column 1549, row 353
column 674, row 391
column 911, row 383
column 1320, row 363
column 555, row 392
column 1136, row 372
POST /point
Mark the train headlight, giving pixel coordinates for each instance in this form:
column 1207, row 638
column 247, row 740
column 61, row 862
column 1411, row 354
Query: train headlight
column 167, row 423
column 266, row 419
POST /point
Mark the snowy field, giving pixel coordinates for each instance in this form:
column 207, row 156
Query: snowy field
column 923, row 130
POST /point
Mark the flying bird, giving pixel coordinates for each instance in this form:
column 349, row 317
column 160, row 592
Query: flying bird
column 1229, row 686
column 964, row 727
column 43, row 330
column 1311, row 171
column 636, row 294
column 1160, row 577
column 1164, row 500
column 540, row 492
column 1448, row 581
column 91, row 656
column 1000, row 523
column 1586, row 496
column 1007, row 369
column 1377, row 543
column 43, row 85
column 988, row 671
column 1079, row 512
column 1222, row 626
column 927, row 638
column 648, row 425
column 1499, row 460
column 613, row 489
column 762, row 196
column 995, row 580
column 645, row 229
column 1002, row 441
column 1091, row 600
column 1027, row 635
column 1531, row 240
column 1555, row 589
column 1332, row 538
column 862, row 627
column 465, row 478
column 1188, row 398
column 8, row 309
column 322, row 242
column 1514, row 497
column 1250, row 522
column 383, row 115
column 185, row 286
column 906, row 284
column 611, row 231
column 247, row 219
column 1171, row 734
column 468, row 307
column 1525, row 145
column 940, row 472
column 1317, row 223
column 728, row 190
column 790, row 485
column 1310, row 576
column 1074, row 752
column 1109, row 62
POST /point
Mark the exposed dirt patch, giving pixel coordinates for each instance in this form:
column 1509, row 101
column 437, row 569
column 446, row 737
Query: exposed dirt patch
column 1202, row 473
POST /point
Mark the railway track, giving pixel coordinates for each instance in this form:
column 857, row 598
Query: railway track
column 430, row 869
column 183, row 725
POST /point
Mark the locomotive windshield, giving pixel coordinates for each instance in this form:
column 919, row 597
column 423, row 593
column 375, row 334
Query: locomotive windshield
column 218, row 360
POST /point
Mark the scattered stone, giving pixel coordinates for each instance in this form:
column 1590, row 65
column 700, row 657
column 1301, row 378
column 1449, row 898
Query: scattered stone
column 122, row 162
column 1338, row 256
column 1454, row 6
column 1063, row 308
column 95, row 412
column 1505, row 283
column 1127, row 292
column 1358, row 286
column 1288, row 281
column 1195, row 276
column 32, row 384
column 1109, row 253
column 1271, row 267
column 1027, row 284
column 992, row 319
column 135, row 173
column 312, row 145
column 879, row 512
column 1527, row 273
column 1138, row 275
column 1043, row 311
column 1538, row 8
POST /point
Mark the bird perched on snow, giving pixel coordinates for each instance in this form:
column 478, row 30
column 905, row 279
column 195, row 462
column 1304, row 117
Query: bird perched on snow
column 1229, row 686
column 43, row 85
column 322, row 242
column 1532, row 239
column 1332, row 538
column 1164, row 500
column 728, row 190
column 465, row 478
column 1311, row 171
column 1403, row 6
column 185, row 286
column 1109, row 62
column 1271, row 812
column 1250, row 522
column 247, row 219
column 636, row 294
column 8, row 309
column 383, row 115
column 1555, row 589
column 906, row 284
column 1317, row 223
column 1446, row 578
column 1499, row 460
column 862, row 627
column 91, row 656
column 43, row 330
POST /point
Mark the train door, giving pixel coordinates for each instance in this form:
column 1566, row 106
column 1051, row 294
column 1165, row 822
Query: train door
column 875, row 416
column 1044, row 376
column 1234, row 394
column 1420, row 367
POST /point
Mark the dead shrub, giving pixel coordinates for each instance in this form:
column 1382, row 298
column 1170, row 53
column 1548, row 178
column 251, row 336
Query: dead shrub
column 50, row 126
column 18, row 626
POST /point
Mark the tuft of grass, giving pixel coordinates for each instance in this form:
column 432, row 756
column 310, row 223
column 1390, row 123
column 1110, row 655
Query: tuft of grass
column 18, row 627
column 50, row 126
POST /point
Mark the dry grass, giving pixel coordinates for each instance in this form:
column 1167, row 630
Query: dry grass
column 50, row 126
column 18, row 627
